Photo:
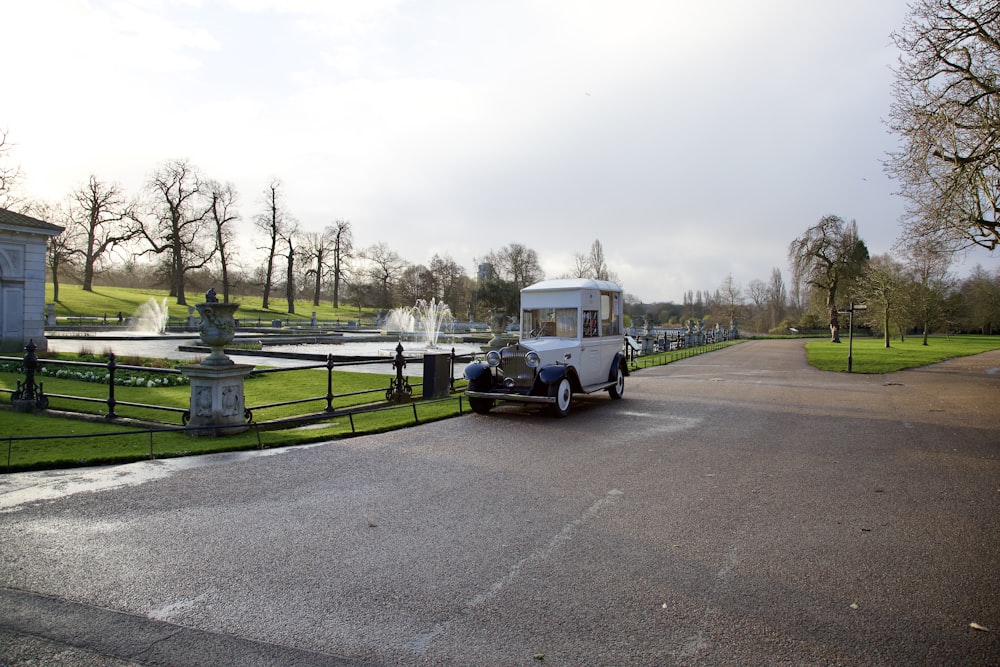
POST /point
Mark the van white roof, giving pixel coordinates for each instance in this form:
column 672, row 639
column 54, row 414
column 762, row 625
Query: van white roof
column 571, row 284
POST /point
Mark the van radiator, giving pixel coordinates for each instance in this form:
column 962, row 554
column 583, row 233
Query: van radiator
column 514, row 368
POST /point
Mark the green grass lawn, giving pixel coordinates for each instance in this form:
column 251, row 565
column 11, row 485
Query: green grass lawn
column 871, row 356
column 111, row 442
column 109, row 301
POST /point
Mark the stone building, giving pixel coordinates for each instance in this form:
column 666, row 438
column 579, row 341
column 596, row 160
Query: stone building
column 22, row 279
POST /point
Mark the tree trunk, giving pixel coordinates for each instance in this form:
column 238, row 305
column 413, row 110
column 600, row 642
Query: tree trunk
column 316, row 287
column 55, row 282
column 290, row 280
column 885, row 326
column 88, row 277
column 831, row 306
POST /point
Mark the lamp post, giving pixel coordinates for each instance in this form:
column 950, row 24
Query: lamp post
column 850, row 331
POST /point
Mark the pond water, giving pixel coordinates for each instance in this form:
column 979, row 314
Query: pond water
column 166, row 347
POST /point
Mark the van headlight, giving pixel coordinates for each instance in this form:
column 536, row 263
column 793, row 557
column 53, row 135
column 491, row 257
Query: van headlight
column 532, row 359
column 493, row 358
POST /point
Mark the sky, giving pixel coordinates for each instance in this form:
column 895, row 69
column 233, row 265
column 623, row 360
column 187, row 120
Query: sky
column 694, row 140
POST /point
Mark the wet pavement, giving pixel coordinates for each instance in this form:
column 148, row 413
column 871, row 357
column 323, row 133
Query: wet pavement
column 734, row 508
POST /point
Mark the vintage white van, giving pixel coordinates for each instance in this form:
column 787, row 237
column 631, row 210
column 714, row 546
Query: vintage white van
column 570, row 341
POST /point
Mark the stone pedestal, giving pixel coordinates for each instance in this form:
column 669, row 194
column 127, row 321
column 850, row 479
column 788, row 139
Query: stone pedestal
column 217, row 398
column 217, row 383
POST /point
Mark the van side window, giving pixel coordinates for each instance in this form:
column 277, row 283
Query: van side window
column 610, row 324
column 590, row 329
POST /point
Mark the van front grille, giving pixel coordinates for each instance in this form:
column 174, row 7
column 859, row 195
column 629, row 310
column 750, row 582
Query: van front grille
column 514, row 368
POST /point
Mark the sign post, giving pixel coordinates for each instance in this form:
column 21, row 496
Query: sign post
column 850, row 330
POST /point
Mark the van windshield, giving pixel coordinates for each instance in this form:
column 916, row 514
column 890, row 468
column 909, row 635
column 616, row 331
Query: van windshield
column 544, row 322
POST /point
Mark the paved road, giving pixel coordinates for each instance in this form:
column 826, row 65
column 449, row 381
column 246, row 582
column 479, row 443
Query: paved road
column 735, row 508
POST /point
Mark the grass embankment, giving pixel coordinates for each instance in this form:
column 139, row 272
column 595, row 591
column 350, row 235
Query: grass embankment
column 109, row 301
column 871, row 356
column 110, row 442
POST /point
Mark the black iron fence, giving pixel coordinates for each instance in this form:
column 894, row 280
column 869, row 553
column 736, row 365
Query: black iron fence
column 112, row 374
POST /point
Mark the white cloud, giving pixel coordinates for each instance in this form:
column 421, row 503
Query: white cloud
column 693, row 142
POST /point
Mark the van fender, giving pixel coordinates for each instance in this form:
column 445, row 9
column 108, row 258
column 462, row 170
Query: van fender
column 619, row 360
column 552, row 374
column 475, row 370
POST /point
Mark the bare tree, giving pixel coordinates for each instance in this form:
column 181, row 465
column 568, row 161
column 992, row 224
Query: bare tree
column 273, row 220
column 516, row 263
column 317, row 247
column 222, row 211
column 416, row 282
column 9, row 173
column 829, row 254
column 177, row 226
column 757, row 290
column 981, row 294
column 288, row 237
column 102, row 218
column 63, row 250
column 946, row 111
column 343, row 252
column 777, row 298
column 598, row 267
column 451, row 282
column 385, row 267
column 928, row 267
column 882, row 286
column 730, row 298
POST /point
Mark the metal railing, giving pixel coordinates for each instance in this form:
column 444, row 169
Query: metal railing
column 113, row 404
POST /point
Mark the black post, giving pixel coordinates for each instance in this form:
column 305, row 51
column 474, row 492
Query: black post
column 111, row 386
column 850, row 339
column 451, row 376
column 29, row 395
column 399, row 389
column 329, row 383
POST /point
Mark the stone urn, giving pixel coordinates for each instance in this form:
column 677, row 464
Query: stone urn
column 216, row 329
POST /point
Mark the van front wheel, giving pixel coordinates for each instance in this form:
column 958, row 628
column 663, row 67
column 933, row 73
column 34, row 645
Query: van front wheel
column 563, row 393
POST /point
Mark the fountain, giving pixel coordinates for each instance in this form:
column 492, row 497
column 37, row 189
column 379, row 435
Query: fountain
column 150, row 317
column 424, row 317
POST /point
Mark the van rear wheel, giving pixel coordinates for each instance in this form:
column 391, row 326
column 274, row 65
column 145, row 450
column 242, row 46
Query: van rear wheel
column 617, row 390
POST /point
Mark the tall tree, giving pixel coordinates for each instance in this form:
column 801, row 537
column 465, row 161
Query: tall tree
column 777, row 298
column 981, row 293
column 928, row 268
column 343, row 251
column 731, row 298
column 516, row 263
column 317, row 248
column 451, row 282
column 288, row 238
column 223, row 213
column 63, row 250
column 946, row 111
column 826, row 256
column 598, row 266
column 177, row 226
column 102, row 218
column 757, row 290
column 881, row 287
column 273, row 220
column 385, row 267
column 10, row 173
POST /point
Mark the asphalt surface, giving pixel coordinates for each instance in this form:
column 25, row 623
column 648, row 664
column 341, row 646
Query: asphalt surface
column 736, row 508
